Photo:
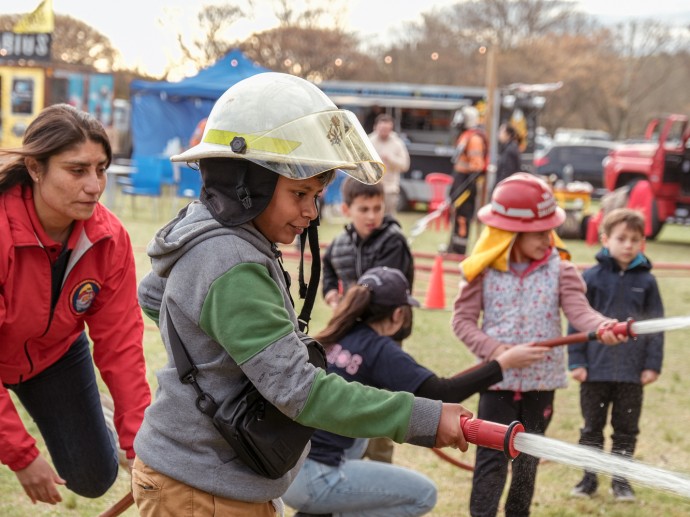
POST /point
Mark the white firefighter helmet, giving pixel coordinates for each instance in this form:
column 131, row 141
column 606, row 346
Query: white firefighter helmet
column 289, row 126
column 465, row 118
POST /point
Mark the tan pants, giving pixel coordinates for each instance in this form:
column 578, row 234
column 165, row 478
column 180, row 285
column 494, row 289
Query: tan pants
column 157, row 495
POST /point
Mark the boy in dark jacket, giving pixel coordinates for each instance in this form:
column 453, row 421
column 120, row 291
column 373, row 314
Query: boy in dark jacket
column 620, row 286
column 369, row 240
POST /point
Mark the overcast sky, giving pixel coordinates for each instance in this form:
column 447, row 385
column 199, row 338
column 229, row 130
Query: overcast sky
column 134, row 26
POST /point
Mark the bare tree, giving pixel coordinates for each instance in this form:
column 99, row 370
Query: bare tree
column 312, row 53
column 310, row 43
column 312, row 16
column 612, row 78
column 214, row 23
column 507, row 23
column 643, row 48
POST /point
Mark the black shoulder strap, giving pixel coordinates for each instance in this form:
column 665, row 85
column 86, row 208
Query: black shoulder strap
column 308, row 292
column 186, row 369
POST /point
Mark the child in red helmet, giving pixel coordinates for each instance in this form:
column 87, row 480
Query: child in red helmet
column 518, row 280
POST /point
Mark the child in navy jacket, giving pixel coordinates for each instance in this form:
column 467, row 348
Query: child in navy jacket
column 621, row 285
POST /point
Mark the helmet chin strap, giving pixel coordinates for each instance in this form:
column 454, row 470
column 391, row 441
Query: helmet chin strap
column 243, row 194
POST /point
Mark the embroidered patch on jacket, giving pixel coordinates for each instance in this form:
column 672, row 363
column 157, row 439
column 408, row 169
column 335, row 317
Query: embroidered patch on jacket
column 83, row 295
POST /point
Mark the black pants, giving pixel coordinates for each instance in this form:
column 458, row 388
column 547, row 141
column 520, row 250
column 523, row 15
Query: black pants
column 64, row 402
column 625, row 401
column 462, row 215
column 534, row 410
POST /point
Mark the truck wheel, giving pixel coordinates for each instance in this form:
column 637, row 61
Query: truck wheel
column 584, row 223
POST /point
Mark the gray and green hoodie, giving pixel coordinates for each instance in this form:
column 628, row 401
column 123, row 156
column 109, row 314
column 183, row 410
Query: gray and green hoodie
column 225, row 291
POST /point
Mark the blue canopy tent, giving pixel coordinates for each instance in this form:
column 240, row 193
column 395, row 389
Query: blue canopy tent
column 163, row 111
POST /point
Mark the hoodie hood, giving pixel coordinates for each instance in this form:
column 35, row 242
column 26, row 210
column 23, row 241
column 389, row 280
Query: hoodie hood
column 194, row 224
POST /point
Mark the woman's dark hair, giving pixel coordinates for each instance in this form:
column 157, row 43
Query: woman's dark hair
column 355, row 307
column 56, row 129
column 512, row 132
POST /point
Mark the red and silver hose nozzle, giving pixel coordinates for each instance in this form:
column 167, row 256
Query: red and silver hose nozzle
column 491, row 435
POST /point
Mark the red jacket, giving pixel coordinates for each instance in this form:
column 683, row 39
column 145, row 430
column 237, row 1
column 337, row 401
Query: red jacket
column 99, row 290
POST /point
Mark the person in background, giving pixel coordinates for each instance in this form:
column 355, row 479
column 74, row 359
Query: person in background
column 508, row 152
column 217, row 277
column 360, row 348
column 195, row 139
column 470, row 163
column 370, row 118
column 621, row 285
column 395, row 157
column 369, row 239
column 515, row 282
column 66, row 263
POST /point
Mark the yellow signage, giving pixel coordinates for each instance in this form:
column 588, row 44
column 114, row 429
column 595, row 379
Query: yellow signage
column 41, row 20
column 23, row 92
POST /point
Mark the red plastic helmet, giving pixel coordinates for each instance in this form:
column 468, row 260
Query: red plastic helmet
column 522, row 203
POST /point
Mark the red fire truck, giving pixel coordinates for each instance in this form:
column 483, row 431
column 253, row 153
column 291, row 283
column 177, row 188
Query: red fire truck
column 656, row 168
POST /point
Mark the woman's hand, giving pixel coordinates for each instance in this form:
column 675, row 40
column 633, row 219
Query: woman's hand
column 39, row 481
column 449, row 432
column 520, row 356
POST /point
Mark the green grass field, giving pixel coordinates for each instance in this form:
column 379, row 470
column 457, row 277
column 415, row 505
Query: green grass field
column 663, row 442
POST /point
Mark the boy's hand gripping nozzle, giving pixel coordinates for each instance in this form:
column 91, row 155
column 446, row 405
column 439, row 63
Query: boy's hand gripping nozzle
column 492, row 435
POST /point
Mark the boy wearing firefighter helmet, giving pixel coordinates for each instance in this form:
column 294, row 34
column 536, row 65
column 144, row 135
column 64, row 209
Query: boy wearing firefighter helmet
column 517, row 279
column 269, row 148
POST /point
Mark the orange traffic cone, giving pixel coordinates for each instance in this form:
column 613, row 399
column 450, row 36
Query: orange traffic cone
column 436, row 294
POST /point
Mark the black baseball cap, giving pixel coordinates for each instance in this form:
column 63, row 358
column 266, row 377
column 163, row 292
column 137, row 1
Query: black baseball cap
column 388, row 286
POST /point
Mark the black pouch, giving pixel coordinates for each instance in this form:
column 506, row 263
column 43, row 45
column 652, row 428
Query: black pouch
column 266, row 440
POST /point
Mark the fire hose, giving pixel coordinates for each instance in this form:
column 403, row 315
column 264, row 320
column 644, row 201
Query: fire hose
column 628, row 328
column 119, row 507
column 501, row 437
column 492, row 435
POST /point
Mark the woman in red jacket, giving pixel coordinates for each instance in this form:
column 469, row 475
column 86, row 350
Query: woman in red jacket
column 66, row 262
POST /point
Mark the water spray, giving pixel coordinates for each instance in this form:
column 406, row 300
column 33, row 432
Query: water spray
column 491, row 435
column 512, row 440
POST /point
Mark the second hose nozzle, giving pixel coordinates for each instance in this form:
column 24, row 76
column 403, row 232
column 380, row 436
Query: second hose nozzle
column 492, row 435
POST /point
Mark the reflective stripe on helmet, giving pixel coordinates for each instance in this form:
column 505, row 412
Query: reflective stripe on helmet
column 518, row 213
column 256, row 142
